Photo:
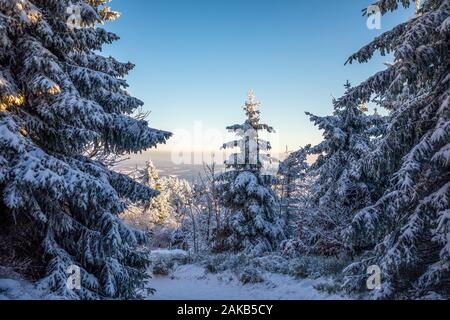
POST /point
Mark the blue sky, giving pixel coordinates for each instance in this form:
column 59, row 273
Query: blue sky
column 195, row 60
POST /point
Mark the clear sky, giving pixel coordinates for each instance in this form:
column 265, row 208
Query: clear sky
column 195, row 60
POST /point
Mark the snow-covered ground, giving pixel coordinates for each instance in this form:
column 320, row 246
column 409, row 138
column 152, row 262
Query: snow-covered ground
column 191, row 282
column 13, row 287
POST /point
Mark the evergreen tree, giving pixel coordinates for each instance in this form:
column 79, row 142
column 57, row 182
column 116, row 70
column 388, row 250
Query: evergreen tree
column 253, row 222
column 158, row 208
column 292, row 175
column 340, row 186
column 409, row 226
column 58, row 98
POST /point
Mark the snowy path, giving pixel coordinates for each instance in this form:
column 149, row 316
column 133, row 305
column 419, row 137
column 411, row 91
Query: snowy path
column 190, row 282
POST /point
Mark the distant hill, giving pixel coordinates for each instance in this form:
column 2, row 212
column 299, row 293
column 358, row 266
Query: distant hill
column 164, row 162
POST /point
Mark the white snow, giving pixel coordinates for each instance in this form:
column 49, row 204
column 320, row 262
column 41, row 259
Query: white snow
column 18, row 289
column 191, row 282
column 169, row 253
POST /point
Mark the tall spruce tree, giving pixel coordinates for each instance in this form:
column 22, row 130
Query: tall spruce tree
column 409, row 226
column 156, row 212
column 59, row 97
column 158, row 207
column 292, row 175
column 340, row 187
column 253, row 223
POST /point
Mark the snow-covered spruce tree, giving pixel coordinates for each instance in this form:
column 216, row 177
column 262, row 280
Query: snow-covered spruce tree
column 155, row 212
column 292, row 173
column 58, row 96
column 410, row 224
column 253, row 222
column 158, row 207
column 340, row 186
